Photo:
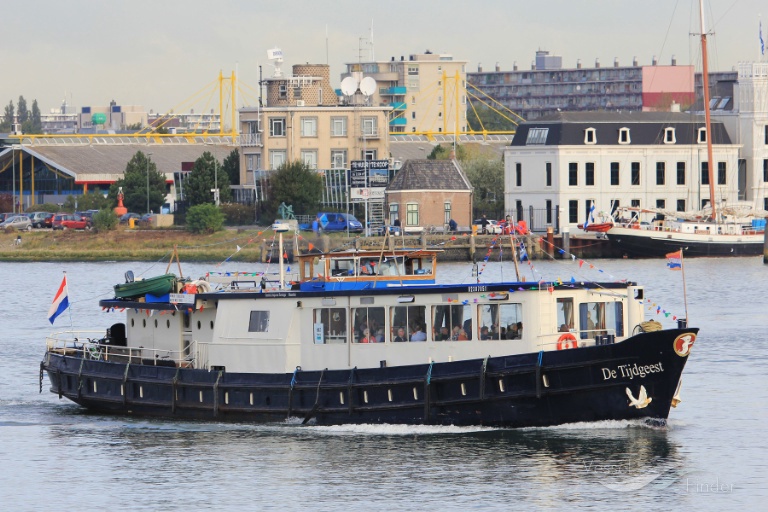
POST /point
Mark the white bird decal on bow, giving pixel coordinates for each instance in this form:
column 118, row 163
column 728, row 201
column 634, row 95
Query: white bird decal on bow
column 676, row 398
column 642, row 399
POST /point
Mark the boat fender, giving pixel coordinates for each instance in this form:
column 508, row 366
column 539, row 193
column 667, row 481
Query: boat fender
column 566, row 341
column 201, row 286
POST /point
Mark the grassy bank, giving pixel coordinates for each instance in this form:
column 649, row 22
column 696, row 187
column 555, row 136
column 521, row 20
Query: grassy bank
column 132, row 245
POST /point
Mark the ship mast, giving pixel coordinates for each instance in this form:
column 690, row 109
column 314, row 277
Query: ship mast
column 708, row 124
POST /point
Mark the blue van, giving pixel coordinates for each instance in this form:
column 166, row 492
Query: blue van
column 338, row 222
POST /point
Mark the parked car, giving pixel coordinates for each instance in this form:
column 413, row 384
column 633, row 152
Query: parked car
column 19, row 222
column 130, row 215
column 493, row 227
column 38, row 219
column 339, row 222
column 88, row 214
column 147, row 219
column 69, row 221
column 4, row 216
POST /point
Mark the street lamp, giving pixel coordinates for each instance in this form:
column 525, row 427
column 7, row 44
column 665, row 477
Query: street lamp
column 148, row 155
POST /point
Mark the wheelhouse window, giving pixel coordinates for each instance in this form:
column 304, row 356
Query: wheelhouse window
column 452, row 322
column 599, row 318
column 410, row 320
column 330, row 325
column 368, row 325
column 259, row 321
column 500, row 321
column 565, row 314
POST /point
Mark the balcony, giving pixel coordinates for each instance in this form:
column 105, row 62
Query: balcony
column 395, row 91
column 398, row 105
column 250, row 139
column 398, row 121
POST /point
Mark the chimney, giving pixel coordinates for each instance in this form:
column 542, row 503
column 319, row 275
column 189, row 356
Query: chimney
column 498, row 68
column 479, row 67
column 533, row 64
column 634, row 61
column 615, row 62
column 674, row 107
column 597, row 63
column 674, row 60
column 514, row 66
column 653, row 61
column 578, row 63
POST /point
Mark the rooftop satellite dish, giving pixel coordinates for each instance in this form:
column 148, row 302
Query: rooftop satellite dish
column 368, row 86
column 348, row 86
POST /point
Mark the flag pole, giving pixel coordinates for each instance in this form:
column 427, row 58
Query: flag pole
column 69, row 307
column 685, row 294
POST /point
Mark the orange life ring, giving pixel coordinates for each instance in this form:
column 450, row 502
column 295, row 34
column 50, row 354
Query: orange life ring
column 566, row 341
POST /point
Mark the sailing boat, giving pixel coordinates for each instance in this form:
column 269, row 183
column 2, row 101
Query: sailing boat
column 714, row 231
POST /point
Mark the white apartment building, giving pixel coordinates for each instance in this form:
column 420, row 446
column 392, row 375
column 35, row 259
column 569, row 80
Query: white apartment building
column 426, row 91
column 559, row 166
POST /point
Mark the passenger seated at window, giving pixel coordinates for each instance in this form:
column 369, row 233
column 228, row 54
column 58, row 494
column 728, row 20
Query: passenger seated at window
column 468, row 328
column 564, row 328
column 418, row 333
column 484, row 334
column 444, row 334
column 367, row 338
column 512, row 332
column 380, row 336
column 400, row 335
column 459, row 334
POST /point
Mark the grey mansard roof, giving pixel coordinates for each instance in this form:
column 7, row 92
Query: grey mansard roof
column 430, row 175
column 645, row 128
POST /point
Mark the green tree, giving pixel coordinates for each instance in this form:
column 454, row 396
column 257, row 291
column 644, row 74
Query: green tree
column 441, row 152
column 105, row 220
column 201, row 180
column 295, row 184
column 487, row 179
column 134, row 183
column 37, row 122
column 92, row 201
column 22, row 111
column 205, row 218
column 8, row 117
column 134, row 127
column 231, row 166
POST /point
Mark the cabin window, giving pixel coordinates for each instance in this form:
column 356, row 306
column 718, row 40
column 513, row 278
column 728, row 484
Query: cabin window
column 259, row 321
column 565, row 314
column 368, row 325
column 500, row 321
column 598, row 318
column 452, row 322
column 330, row 325
column 408, row 320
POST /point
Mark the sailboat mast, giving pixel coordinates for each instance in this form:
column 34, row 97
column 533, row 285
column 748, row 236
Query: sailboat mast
column 708, row 123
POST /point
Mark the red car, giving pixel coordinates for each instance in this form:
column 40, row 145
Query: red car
column 68, row 221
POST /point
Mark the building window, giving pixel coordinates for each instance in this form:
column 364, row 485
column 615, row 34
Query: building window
column 590, row 136
column 536, row 136
column 589, row 173
column 309, row 127
column 370, row 154
column 548, row 204
column 615, row 203
column 413, row 114
column 413, row 70
column 635, row 203
column 412, row 214
column 573, row 174
column 681, row 173
column 309, row 157
column 573, row 211
column 624, row 136
column 702, row 135
column 518, row 174
column 248, row 162
column 765, row 133
column 370, row 128
column 282, row 91
column 276, row 158
column 338, row 159
column 765, row 170
column 338, row 127
column 721, row 173
column 549, row 174
column 765, row 203
column 394, row 212
column 446, row 212
column 320, row 96
column 661, row 171
column 635, row 173
column 661, row 204
column 681, row 205
column 277, row 127
column 615, row 174
column 669, row 136
column 705, row 173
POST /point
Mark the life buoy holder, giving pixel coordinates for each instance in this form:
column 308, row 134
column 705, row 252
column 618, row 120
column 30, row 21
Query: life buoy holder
column 566, row 341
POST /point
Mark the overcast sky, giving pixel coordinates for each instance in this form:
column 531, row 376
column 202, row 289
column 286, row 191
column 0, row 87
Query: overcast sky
column 162, row 54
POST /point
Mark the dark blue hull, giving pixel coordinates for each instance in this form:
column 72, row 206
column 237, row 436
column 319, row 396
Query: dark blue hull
column 577, row 385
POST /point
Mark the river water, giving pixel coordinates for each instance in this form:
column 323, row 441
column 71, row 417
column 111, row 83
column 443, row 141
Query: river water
column 711, row 456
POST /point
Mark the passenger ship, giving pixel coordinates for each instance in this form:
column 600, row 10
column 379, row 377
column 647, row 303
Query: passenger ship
column 371, row 337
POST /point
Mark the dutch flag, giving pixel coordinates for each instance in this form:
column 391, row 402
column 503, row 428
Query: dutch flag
column 60, row 301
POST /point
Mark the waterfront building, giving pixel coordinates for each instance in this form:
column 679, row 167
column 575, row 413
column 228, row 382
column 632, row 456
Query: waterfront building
column 112, row 118
column 547, row 88
column 423, row 91
column 558, row 167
